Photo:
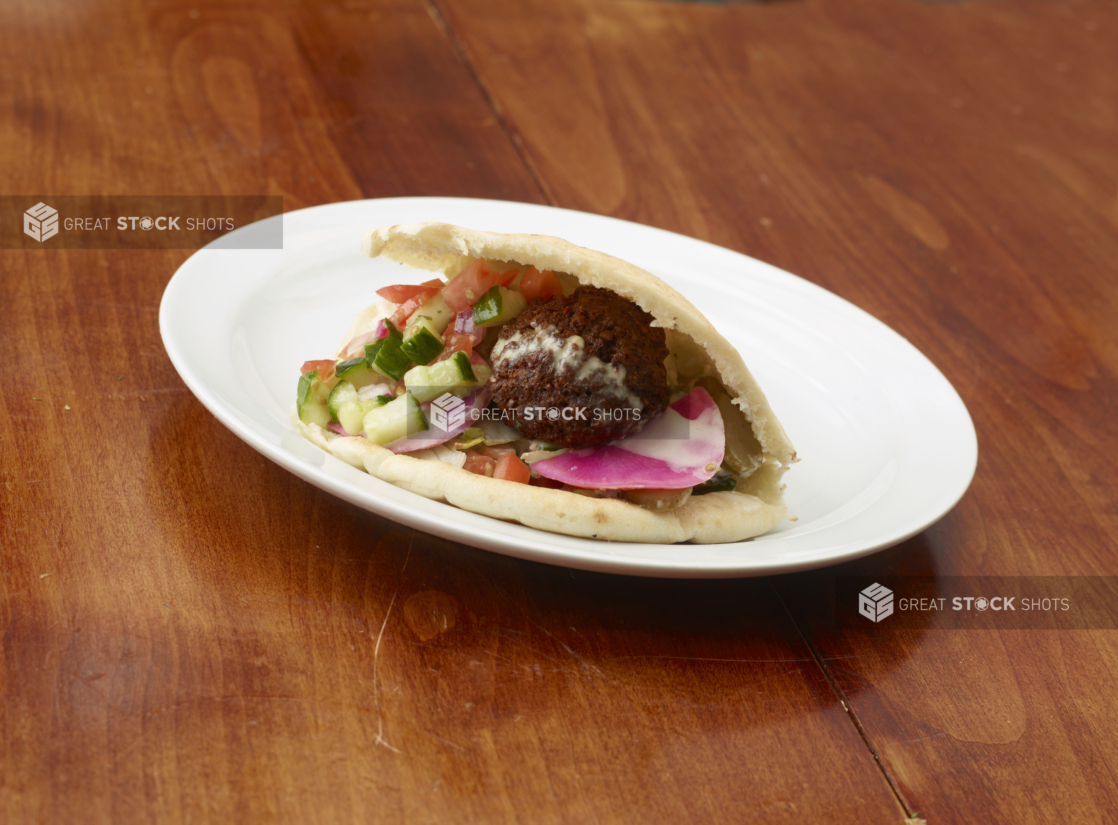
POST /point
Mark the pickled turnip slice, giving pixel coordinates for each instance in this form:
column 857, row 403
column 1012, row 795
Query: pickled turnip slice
column 681, row 448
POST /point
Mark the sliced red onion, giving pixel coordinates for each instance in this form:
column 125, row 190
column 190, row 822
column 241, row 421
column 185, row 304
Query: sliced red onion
column 429, row 438
column 681, row 448
column 464, row 323
column 356, row 346
column 371, row 391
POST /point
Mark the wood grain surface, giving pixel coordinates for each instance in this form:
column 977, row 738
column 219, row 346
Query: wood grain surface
column 952, row 169
column 189, row 633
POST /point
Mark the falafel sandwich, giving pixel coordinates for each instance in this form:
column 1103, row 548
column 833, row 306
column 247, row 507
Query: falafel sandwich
column 540, row 382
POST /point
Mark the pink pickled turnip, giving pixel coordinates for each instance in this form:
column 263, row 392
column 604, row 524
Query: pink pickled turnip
column 681, row 448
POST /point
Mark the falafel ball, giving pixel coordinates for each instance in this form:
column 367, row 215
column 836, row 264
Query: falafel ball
column 580, row 370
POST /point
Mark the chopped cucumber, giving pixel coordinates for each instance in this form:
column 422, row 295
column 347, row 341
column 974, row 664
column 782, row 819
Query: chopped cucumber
column 418, row 322
column 351, row 415
column 394, row 420
column 311, row 399
column 498, row 306
column 437, row 314
column 481, row 373
column 356, row 372
column 341, row 394
column 372, row 348
column 459, row 368
column 389, row 358
column 456, row 374
column 360, row 371
column 421, row 343
column 419, row 384
column 347, row 408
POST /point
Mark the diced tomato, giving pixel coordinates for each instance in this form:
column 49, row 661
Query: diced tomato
column 405, row 310
column 405, row 292
column 512, row 468
column 498, row 451
column 536, row 284
column 481, row 465
column 409, row 298
column 508, row 277
column 325, row 368
column 470, row 284
column 455, row 342
column 460, row 341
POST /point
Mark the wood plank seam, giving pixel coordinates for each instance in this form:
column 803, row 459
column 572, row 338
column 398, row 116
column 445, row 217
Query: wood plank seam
column 820, row 662
column 442, row 21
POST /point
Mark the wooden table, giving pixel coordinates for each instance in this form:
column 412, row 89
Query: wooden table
column 191, row 633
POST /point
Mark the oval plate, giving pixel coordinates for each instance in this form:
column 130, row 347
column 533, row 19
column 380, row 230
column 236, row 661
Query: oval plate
column 886, row 443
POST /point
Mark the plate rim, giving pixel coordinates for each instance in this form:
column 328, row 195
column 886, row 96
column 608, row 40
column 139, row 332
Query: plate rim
column 459, row 529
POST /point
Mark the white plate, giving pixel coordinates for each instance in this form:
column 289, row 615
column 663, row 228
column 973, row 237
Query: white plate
column 886, row 443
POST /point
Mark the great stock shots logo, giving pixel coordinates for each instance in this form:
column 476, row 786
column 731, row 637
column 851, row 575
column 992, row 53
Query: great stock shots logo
column 976, row 602
column 58, row 222
column 448, row 412
column 876, row 602
column 40, row 222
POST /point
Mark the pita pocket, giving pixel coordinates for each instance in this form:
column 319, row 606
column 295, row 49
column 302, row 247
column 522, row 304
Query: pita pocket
column 741, row 499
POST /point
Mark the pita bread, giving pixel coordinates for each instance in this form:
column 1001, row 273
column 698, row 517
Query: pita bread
column 696, row 350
